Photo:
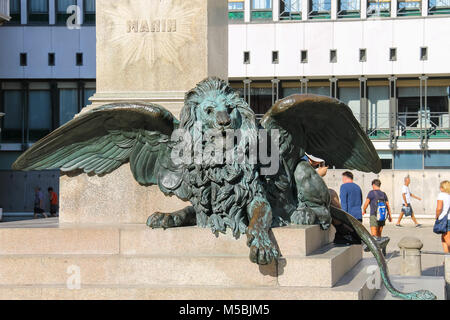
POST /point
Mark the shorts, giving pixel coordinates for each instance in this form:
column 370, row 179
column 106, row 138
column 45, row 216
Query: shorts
column 53, row 208
column 375, row 223
column 407, row 211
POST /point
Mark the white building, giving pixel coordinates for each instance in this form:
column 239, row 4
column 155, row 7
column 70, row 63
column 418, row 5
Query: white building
column 388, row 60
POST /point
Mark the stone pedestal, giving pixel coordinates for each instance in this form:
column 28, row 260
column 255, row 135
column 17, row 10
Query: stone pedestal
column 134, row 262
column 411, row 257
column 150, row 51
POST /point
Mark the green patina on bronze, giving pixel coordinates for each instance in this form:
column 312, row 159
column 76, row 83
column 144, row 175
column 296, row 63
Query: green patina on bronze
column 229, row 195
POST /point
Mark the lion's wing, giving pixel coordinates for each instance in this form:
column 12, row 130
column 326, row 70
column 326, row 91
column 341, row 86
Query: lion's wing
column 323, row 127
column 101, row 140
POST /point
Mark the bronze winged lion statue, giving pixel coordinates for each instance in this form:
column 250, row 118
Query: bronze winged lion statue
column 245, row 196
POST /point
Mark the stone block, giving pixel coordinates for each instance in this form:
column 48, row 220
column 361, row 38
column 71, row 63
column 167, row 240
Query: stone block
column 59, row 241
column 135, row 270
column 292, row 240
column 321, row 269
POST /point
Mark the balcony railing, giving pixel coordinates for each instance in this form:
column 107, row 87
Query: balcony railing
column 236, row 9
column 439, row 7
column 378, row 8
column 290, row 9
column 4, row 11
column 349, row 9
column 319, row 9
column 409, row 125
column 409, row 8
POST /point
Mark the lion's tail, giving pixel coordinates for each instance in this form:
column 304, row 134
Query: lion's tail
column 367, row 238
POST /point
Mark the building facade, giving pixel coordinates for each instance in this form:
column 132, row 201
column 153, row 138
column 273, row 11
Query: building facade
column 387, row 59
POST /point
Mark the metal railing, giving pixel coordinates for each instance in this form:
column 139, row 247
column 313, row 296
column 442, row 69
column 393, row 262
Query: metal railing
column 408, row 7
column 4, row 10
column 409, row 125
column 319, row 9
column 378, row 8
column 349, row 9
column 290, row 10
column 438, row 6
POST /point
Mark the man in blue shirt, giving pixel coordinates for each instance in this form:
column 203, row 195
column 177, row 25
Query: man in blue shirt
column 351, row 196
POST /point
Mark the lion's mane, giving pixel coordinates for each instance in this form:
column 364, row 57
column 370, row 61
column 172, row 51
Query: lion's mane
column 221, row 193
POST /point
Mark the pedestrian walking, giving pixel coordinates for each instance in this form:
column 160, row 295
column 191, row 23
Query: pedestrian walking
column 442, row 212
column 407, row 209
column 379, row 209
column 351, row 196
column 38, row 203
column 53, row 202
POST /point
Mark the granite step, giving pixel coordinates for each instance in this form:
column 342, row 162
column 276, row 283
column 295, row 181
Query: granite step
column 352, row 286
column 354, row 289
column 141, row 240
column 322, row 269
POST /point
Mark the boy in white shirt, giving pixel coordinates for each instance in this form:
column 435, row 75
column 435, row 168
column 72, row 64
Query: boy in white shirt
column 406, row 196
column 443, row 204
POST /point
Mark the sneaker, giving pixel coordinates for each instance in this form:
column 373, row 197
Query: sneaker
column 398, row 225
column 418, row 225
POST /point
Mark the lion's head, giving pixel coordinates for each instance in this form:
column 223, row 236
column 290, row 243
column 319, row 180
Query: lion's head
column 217, row 106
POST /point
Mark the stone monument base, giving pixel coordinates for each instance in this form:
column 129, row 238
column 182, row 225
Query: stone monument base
column 130, row 261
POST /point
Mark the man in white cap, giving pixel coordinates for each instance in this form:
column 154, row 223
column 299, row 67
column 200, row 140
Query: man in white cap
column 318, row 164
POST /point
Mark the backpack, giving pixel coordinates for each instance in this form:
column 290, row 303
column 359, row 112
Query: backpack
column 381, row 210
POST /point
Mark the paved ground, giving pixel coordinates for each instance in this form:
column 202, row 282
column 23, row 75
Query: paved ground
column 432, row 264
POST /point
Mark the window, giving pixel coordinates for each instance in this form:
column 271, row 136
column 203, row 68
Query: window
column 362, row 55
column 348, row 9
column 23, row 59
column 304, row 56
column 386, row 163
column 89, row 12
column 38, row 11
column 61, row 10
column 79, row 59
column 89, row 91
column 423, row 53
column 40, row 114
column 260, row 98
column 393, row 54
column 320, row 9
column 14, row 11
column 236, row 9
column 51, row 59
column 68, row 105
column 408, row 160
column 246, row 57
column 409, row 7
column 378, row 8
column 275, row 57
column 437, row 160
column 438, row 7
column 291, row 9
column 261, row 9
column 333, row 56
column 13, row 119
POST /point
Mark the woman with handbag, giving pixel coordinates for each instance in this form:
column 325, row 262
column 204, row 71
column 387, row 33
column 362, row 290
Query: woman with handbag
column 442, row 225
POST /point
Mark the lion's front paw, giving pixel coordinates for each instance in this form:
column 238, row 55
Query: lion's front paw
column 304, row 216
column 162, row 220
column 262, row 249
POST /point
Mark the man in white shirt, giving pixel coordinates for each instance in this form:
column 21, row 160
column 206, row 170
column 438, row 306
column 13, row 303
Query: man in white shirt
column 407, row 209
